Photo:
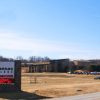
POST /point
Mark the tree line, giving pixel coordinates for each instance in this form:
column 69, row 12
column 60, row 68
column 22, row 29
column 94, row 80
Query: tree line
column 90, row 68
column 30, row 59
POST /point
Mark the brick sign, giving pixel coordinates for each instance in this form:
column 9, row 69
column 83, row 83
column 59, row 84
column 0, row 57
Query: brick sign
column 10, row 76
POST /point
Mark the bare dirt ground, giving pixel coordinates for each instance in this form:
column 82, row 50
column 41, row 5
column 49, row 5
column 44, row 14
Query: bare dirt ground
column 57, row 84
column 49, row 85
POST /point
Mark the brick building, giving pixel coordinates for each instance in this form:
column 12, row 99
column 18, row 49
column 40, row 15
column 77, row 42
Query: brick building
column 51, row 66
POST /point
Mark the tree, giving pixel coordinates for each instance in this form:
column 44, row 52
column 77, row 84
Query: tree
column 19, row 58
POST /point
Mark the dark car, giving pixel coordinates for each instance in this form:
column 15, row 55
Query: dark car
column 97, row 77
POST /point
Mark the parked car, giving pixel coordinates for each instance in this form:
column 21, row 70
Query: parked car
column 97, row 77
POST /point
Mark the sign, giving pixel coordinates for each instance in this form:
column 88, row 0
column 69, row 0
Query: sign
column 10, row 76
column 7, row 70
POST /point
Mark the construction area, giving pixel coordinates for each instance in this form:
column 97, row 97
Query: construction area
column 51, row 85
column 59, row 84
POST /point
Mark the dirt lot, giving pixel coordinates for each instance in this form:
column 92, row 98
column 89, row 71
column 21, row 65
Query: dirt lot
column 47, row 85
column 57, row 84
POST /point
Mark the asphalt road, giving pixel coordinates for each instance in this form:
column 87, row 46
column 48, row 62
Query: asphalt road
column 91, row 96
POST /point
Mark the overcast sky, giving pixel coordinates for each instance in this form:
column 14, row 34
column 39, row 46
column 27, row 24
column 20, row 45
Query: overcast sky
column 53, row 28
